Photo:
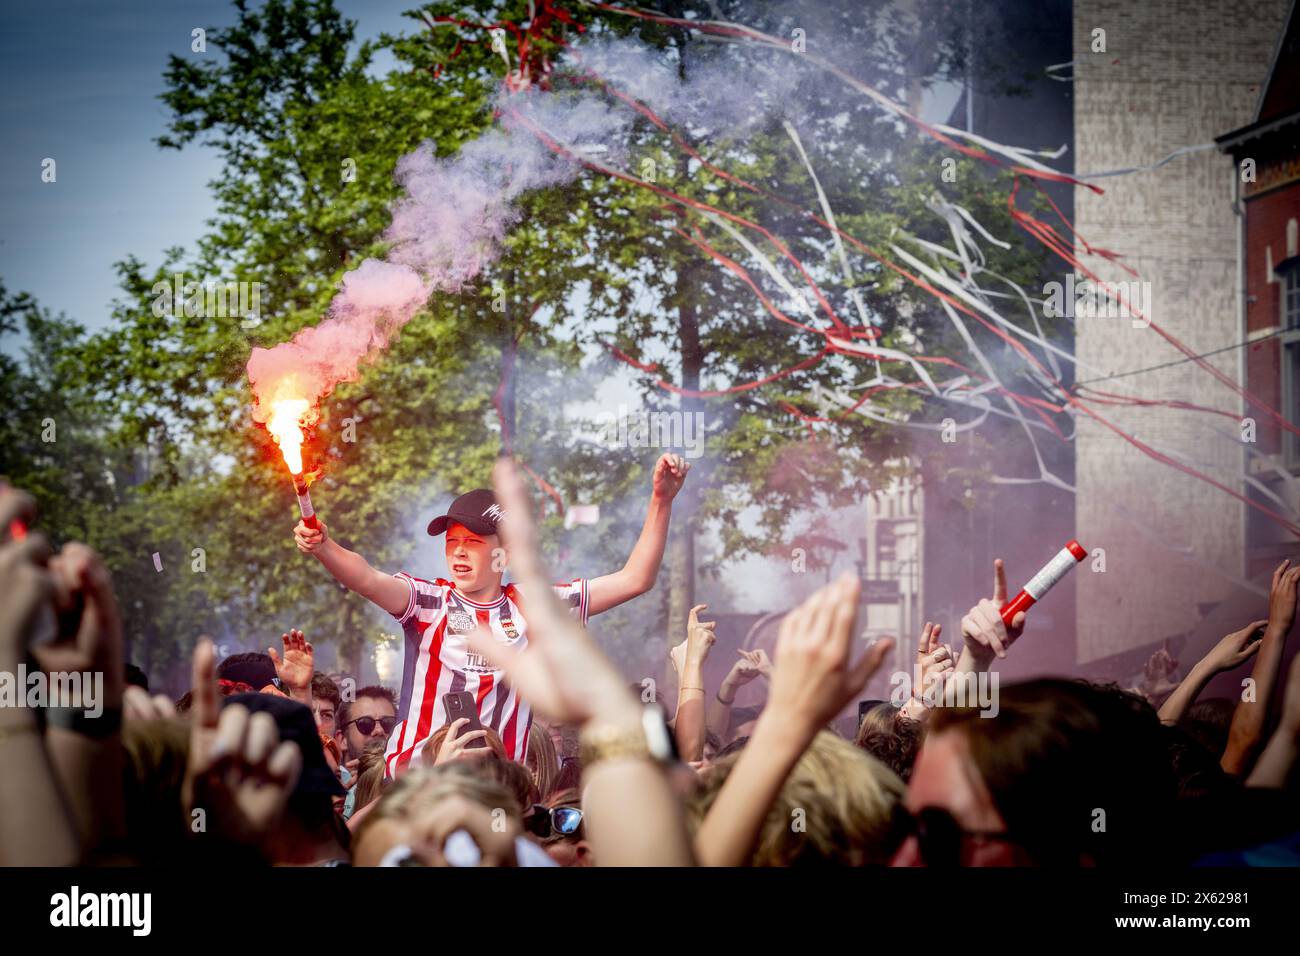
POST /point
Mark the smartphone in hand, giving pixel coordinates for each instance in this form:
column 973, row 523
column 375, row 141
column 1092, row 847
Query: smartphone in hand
column 462, row 704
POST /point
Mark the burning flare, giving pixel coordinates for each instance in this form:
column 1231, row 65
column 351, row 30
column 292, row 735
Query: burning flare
column 285, row 426
column 288, row 416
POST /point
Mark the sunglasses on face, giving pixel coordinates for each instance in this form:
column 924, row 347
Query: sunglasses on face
column 941, row 839
column 561, row 821
column 367, row 724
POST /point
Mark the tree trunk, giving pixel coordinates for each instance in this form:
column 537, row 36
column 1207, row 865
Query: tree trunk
column 354, row 659
column 509, row 352
column 681, row 541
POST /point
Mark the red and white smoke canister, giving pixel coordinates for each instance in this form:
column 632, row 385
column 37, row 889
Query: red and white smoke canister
column 1042, row 582
column 304, row 502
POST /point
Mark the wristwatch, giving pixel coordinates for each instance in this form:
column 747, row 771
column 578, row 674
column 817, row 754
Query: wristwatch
column 649, row 741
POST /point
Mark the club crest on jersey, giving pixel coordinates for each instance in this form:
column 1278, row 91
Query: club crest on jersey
column 461, row 622
column 508, row 626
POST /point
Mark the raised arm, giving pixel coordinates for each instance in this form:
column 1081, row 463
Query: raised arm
column 985, row 634
column 296, row 667
column 1233, row 651
column 631, row 814
column 352, row 570
column 637, row 576
column 689, row 726
column 751, row 665
column 87, row 753
column 1246, row 733
column 36, row 827
column 812, row 681
column 934, row 665
column 1274, row 765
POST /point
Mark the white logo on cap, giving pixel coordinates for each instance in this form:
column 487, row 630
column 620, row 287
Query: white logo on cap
column 494, row 512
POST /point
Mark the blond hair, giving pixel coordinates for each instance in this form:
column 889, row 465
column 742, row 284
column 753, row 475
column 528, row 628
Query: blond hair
column 370, row 775
column 838, row 806
column 424, row 786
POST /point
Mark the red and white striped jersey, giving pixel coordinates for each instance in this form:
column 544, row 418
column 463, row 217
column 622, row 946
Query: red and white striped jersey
column 437, row 660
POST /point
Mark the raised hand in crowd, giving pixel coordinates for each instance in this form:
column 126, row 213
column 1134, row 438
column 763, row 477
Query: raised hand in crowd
column 934, row 665
column 690, row 723
column 84, row 739
column 697, row 643
column 760, row 661
column 456, row 746
column 1228, row 654
column 569, row 681
column 985, row 634
column 36, row 828
column 239, row 775
column 296, row 667
column 1246, row 733
column 814, row 678
column 1159, row 675
column 751, row 664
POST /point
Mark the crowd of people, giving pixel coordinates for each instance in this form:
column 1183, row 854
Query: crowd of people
column 268, row 761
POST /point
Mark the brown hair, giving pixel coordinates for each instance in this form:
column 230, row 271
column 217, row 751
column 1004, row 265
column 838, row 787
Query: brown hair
column 155, row 754
column 1057, row 752
column 514, row 777
column 542, row 761
column 878, row 719
column 890, row 738
column 325, row 688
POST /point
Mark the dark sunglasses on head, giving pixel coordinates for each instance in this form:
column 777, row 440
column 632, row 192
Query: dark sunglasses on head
column 561, row 821
column 367, row 724
column 940, row 837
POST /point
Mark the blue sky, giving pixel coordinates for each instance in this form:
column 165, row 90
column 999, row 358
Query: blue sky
column 79, row 83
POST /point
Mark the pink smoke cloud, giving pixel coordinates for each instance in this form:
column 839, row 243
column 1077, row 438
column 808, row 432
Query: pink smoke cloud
column 446, row 228
column 376, row 300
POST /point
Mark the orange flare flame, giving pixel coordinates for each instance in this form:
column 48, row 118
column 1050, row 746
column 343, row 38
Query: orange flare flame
column 285, row 426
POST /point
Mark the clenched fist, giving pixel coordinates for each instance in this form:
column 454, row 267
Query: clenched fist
column 669, row 476
column 309, row 539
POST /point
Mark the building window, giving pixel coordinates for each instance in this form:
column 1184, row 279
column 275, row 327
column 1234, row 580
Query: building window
column 1291, row 297
column 1289, row 276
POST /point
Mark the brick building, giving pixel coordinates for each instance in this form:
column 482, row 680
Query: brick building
column 1169, row 75
column 1266, row 174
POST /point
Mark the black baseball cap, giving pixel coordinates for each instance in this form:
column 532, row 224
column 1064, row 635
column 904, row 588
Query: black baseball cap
column 254, row 669
column 296, row 724
column 477, row 510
